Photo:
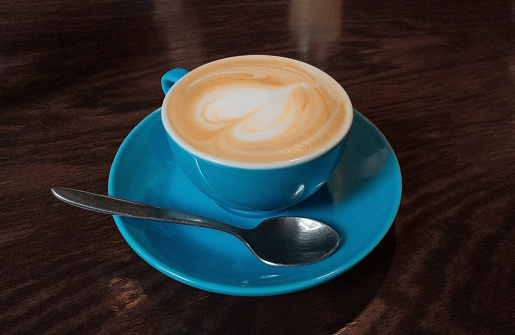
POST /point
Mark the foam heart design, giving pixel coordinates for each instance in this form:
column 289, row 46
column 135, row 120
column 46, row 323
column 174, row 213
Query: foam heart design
column 254, row 114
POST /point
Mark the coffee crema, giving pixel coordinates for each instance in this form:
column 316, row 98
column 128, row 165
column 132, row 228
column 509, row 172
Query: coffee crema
column 258, row 109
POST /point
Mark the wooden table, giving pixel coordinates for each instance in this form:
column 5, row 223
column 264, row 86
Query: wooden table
column 437, row 78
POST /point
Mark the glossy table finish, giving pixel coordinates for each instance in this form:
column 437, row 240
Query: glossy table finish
column 437, row 78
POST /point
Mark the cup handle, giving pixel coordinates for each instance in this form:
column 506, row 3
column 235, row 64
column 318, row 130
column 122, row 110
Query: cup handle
column 171, row 77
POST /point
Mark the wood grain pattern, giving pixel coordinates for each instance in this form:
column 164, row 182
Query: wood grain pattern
column 438, row 79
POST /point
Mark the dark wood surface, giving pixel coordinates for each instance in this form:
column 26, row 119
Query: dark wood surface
column 437, row 77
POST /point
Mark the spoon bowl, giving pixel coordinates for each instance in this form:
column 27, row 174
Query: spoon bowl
column 278, row 241
column 287, row 240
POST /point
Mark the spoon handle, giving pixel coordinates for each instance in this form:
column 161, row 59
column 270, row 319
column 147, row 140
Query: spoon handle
column 116, row 206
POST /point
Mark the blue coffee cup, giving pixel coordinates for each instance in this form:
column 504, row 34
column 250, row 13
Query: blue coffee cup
column 252, row 187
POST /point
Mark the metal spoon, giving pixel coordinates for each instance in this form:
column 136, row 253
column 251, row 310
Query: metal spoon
column 280, row 241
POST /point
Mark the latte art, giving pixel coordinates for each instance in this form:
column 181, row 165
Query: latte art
column 257, row 109
column 250, row 114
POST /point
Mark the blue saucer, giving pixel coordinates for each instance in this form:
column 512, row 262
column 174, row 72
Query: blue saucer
column 360, row 201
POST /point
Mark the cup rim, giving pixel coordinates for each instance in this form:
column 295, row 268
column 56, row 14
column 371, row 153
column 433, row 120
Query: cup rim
column 259, row 165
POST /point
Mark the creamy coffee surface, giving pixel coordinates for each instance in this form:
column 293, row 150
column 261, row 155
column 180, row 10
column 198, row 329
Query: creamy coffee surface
column 257, row 109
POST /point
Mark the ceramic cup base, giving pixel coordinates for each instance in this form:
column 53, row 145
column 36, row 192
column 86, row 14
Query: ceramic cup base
column 252, row 213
